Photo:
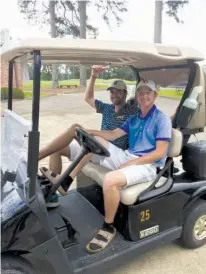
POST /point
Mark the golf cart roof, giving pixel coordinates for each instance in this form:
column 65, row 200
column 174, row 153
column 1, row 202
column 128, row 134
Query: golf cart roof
column 150, row 59
column 91, row 51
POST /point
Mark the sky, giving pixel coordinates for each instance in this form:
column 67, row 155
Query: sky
column 138, row 24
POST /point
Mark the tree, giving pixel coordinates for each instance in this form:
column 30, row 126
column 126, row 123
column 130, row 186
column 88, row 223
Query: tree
column 53, row 35
column 65, row 15
column 171, row 8
column 83, row 22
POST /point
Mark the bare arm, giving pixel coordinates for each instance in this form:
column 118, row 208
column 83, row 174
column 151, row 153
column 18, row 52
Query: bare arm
column 109, row 135
column 158, row 153
column 89, row 93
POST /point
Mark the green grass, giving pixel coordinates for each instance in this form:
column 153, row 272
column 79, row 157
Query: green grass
column 99, row 83
column 28, row 94
column 170, row 93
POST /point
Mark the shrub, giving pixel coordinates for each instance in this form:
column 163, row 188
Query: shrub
column 17, row 93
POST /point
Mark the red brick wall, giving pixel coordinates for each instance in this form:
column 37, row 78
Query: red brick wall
column 4, row 75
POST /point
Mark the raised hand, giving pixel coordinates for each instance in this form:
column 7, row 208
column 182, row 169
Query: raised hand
column 96, row 70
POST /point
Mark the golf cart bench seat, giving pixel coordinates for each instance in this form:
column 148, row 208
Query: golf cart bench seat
column 130, row 194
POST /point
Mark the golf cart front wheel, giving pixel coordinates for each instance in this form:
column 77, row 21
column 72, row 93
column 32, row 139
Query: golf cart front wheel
column 194, row 230
column 16, row 265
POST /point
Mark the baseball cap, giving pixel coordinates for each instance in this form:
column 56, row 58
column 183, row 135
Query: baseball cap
column 147, row 83
column 118, row 84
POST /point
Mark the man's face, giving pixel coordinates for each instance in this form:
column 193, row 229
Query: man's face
column 117, row 96
column 146, row 97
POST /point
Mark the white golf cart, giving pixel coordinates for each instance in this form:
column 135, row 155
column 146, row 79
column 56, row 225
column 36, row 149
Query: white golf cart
column 170, row 207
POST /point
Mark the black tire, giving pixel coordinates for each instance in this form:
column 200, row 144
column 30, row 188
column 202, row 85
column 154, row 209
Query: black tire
column 188, row 238
column 16, row 265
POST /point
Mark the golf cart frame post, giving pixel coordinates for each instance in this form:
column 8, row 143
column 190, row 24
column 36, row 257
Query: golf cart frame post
column 10, row 84
column 34, row 135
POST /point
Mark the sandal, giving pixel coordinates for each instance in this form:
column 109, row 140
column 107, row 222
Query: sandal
column 100, row 241
column 53, row 178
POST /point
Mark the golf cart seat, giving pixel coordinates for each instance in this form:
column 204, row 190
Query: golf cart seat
column 131, row 194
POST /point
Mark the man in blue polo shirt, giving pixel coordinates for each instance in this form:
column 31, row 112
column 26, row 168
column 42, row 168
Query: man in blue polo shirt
column 149, row 133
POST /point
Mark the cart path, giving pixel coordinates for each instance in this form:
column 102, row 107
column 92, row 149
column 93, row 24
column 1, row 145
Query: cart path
column 59, row 112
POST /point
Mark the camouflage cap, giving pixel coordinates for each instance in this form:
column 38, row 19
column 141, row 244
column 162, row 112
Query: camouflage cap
column 118, row 84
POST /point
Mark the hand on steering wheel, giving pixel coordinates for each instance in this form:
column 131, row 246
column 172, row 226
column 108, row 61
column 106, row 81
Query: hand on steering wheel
column 91, row 143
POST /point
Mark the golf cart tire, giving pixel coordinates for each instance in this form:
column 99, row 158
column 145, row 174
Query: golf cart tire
column 16, row 265
column 188, row 239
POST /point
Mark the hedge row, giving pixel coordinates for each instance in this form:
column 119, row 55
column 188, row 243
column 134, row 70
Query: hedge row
column 17, row 93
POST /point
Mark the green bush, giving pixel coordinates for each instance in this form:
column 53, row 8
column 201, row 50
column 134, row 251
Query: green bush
column 17, row 93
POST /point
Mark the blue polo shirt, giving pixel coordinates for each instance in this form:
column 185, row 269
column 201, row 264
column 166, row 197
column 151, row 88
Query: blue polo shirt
column 112, row 119
column 143, row 132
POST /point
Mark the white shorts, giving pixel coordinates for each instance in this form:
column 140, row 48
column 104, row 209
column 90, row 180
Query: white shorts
column 74, row 148
column 134, row 174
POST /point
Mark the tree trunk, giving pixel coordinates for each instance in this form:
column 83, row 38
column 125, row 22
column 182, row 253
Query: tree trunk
column 55, row 75
column 83, row 20
column 158, row 22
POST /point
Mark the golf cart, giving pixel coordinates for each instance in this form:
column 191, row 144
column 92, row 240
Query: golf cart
column 172, row 207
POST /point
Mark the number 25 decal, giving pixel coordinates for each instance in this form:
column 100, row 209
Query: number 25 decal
column 145, row 215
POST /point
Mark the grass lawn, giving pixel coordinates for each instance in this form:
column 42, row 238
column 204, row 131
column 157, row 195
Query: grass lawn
column 170, row 93
column 28, row 94
column 100, row 83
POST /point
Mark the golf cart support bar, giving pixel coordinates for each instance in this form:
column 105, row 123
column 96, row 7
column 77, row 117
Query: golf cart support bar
column 84, row 151
column 10, row 84
column 33, row 150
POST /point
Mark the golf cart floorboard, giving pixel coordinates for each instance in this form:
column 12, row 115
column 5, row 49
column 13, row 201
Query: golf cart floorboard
column 81, row 214
column 118, row 252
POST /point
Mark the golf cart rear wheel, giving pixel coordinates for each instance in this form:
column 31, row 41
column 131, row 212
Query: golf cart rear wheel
column 194, row 230
column 16, row 265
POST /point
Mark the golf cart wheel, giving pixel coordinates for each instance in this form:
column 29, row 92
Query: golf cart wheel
column 194, row 230
column 15, row 265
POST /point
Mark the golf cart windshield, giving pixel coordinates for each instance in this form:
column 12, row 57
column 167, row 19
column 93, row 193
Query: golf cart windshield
column 166, row 65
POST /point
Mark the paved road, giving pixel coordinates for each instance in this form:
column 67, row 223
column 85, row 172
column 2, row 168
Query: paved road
column 57, row 113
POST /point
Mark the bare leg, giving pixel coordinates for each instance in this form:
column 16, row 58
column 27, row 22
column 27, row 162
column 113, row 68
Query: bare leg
column 113, row 180
column 87, row 158
column 55, row 178
column 55, row 160
column 81, row 164
column 58, row 143
column 105, row 235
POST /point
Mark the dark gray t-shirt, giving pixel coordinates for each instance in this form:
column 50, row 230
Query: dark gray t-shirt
column 112, row 120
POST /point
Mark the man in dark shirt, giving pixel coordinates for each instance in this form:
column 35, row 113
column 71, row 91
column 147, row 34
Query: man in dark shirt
column 113, row 116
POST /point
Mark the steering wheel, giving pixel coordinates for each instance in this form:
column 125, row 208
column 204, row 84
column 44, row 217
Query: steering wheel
column 91, row 143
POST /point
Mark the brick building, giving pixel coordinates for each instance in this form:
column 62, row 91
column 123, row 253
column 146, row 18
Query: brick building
column 6, row 42
column 17, row 75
